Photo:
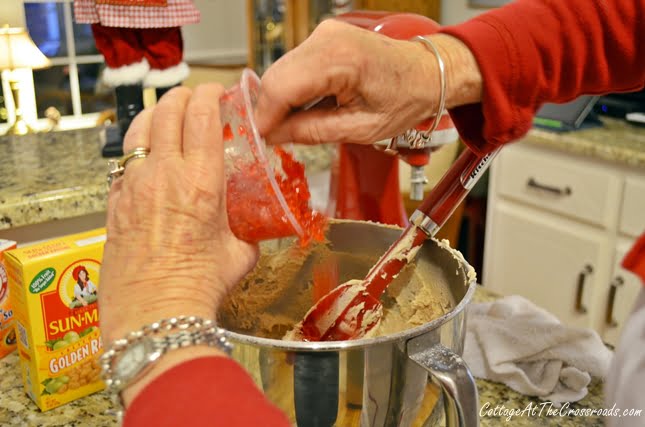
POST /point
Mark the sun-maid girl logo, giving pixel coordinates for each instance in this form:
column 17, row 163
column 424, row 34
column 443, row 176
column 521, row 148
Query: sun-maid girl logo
column 72, row 306
column 78, row 285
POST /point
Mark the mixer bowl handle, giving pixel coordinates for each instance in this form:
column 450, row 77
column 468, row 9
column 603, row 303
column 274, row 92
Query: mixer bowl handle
column 454, row 377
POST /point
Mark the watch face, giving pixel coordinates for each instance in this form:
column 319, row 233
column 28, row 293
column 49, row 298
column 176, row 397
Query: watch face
column 134, row 359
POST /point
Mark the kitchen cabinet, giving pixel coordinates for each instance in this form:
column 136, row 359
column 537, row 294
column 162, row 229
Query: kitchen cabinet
column 552, row 262
column 558, row 225
column 622, row 290
column 633, row 207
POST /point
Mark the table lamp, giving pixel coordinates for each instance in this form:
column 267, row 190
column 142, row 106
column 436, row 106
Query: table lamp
column 18, row 50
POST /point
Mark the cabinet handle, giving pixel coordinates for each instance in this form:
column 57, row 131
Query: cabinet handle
column 609, row 314
column 566, row 191
column 587, row 270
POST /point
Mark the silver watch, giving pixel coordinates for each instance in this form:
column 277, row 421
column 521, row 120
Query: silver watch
column 129, row 358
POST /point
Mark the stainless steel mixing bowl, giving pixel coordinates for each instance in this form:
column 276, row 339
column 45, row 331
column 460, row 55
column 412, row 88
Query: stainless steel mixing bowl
column 394, row 380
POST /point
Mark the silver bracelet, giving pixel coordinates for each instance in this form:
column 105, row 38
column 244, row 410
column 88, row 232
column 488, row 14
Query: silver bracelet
column 414, row 138
column 131, row 357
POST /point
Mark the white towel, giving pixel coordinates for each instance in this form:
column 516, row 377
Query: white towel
column 515, row 342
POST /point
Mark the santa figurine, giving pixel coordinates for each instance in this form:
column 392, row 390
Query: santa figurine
column 142, row 45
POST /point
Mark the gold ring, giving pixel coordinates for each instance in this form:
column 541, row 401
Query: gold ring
column 116, row 168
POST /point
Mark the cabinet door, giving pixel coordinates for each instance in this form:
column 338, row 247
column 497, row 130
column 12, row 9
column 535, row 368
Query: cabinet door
column 549, row 260
column 622, row 292
column 631, row 213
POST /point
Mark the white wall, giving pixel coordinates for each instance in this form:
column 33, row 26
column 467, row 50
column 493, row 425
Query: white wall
column 221, row 34
column 456, row 11
column 13, row 13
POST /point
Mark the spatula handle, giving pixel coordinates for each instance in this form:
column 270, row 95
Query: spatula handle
column 453, row 188
column 434, row 211
column 392, row 262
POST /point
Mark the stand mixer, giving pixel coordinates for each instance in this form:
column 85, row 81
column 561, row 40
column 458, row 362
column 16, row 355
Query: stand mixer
column 365, row 181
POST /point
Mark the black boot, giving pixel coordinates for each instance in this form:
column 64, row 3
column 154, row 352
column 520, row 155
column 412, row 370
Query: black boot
column 161, row 90
column 129, row 102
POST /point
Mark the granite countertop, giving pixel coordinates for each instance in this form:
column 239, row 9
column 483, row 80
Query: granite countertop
column 16, row 409
column 616, row 141
column 49, row 176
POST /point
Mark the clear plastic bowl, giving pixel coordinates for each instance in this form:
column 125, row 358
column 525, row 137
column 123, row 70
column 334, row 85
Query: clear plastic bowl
column 257, row 208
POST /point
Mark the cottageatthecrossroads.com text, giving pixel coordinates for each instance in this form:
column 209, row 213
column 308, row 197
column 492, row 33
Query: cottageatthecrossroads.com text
column 550, row 409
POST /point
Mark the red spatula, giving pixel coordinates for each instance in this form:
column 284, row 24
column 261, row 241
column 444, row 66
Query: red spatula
column 353, row 309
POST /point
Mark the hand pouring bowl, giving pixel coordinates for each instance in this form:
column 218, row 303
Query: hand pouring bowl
column 414, row 377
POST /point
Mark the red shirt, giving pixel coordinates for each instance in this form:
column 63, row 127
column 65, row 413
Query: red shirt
column 536, row 51
column 553, row 51
column 209, row 391
column 529, row 52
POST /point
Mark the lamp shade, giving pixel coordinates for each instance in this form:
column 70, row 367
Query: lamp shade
column 18, row 50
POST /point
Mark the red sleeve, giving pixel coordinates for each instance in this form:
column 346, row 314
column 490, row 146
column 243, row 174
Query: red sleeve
column 213, row 391
column 635, row 259
column 535, row 51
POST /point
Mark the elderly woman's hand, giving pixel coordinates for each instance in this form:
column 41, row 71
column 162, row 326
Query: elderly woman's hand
column 169, row 249
column 382, row 86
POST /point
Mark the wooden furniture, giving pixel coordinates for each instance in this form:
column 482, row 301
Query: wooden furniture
column 429, row 8
column 558, row 225
column 302, row 16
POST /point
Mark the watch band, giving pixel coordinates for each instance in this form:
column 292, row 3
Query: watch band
column 148, row 345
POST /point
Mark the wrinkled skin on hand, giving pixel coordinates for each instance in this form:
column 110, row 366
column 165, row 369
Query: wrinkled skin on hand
column 169, row 249
column 382, row 87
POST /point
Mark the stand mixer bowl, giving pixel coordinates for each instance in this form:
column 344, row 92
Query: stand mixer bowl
column 381, row 381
